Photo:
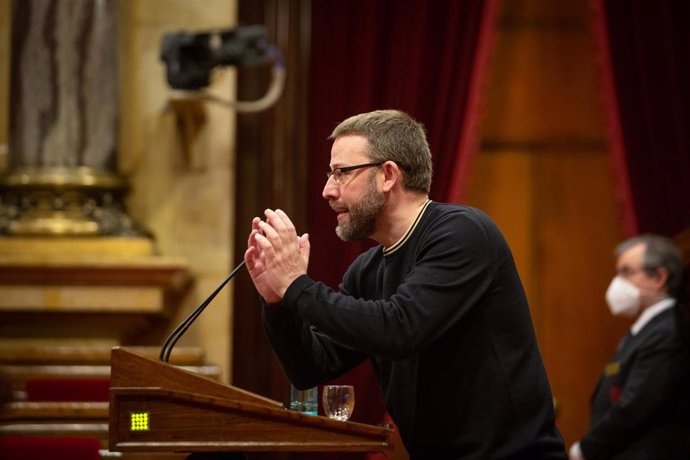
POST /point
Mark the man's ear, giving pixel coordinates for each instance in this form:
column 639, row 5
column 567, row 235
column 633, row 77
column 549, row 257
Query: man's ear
column 392, row 175
column 661, row 278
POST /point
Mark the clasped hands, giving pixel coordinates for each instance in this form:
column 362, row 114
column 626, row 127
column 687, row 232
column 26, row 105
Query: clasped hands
column 275, row 255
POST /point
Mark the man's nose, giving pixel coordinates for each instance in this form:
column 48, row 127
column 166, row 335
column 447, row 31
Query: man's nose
column 330, row 189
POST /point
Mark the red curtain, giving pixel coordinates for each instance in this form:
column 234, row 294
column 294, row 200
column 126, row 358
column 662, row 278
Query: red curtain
column 426, row 58
column 51, row 447
column 645, row 60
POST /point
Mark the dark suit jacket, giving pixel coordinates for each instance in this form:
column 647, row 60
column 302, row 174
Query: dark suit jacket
column 641, row 405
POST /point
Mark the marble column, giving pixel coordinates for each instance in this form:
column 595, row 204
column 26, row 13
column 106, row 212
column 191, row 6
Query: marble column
column 63, row 116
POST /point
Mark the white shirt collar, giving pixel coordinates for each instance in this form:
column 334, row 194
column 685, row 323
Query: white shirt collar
column 647, row 315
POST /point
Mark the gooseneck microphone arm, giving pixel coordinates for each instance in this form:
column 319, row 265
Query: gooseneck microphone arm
column 179, row 331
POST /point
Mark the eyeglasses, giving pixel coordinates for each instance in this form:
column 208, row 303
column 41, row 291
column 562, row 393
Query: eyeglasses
column 627, row 272
column 338, row 173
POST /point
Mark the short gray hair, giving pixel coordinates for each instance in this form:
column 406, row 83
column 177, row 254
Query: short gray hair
column 660, row 252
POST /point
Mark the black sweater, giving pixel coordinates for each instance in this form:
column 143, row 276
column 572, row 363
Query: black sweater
column 444, row 319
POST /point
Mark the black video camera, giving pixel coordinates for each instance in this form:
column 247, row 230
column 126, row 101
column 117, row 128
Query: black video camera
column 190, row 57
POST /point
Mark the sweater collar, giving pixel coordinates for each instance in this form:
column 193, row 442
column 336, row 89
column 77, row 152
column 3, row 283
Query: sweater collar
column 391, row 249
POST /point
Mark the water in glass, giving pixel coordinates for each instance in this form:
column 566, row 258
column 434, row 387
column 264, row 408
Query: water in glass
column 338, row 401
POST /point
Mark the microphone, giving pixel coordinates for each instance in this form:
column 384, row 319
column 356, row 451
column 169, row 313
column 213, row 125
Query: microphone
column 177, row 333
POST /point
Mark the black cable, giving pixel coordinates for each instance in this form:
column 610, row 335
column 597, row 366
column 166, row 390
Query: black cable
column 177, row 333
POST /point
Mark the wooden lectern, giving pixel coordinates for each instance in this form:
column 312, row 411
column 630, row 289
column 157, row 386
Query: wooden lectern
column 158, row 407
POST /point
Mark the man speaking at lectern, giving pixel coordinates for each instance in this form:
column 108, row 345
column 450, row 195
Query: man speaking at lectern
column 437, row 306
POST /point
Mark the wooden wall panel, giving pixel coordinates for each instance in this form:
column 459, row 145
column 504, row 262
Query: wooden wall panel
column 543, row 173
column 575, row 238
column 543, row 85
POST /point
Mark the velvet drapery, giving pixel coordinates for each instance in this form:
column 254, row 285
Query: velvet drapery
column 425, row 58
column 645, row 61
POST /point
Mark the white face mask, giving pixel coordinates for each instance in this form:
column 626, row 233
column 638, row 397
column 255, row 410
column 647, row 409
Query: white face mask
column 623, row 297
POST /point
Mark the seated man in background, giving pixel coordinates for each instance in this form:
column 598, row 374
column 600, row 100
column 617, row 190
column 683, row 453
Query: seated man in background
column 641, row 405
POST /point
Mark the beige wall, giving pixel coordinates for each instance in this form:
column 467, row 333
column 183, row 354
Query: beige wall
column 184, row 199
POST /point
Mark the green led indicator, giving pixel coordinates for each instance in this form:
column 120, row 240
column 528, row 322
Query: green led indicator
column 139, row 421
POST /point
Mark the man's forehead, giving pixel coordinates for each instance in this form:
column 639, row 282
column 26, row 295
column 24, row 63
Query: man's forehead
column 633, row 255
column 349, row 147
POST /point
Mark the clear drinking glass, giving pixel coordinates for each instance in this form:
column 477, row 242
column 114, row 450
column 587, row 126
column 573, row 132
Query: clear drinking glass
column 338, row 401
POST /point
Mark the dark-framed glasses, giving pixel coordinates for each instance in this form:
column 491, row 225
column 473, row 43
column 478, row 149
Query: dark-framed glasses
column 339, row 173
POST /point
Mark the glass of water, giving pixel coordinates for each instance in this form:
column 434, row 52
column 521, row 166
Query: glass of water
column 338, row 401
